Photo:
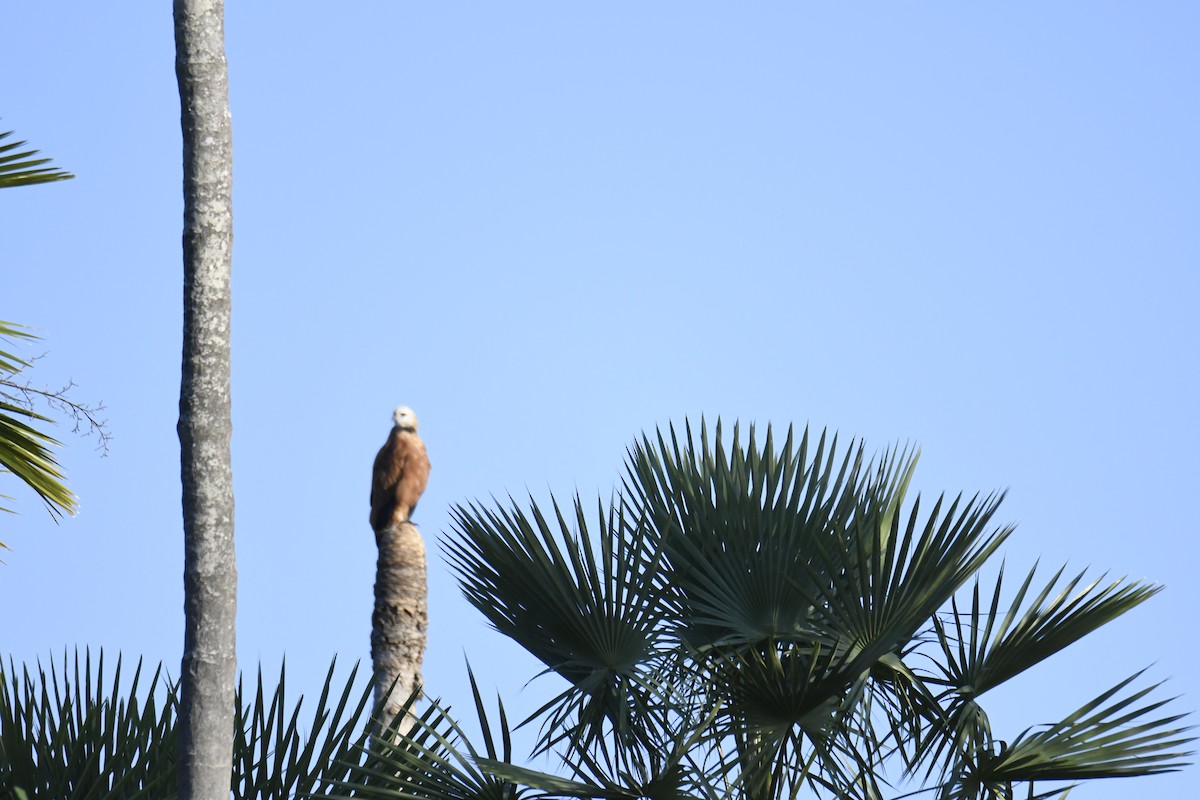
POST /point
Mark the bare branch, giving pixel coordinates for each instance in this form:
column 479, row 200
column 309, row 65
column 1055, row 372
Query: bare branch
column 86, row 418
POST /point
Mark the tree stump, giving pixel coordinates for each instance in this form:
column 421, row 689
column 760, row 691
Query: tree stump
column 401, row 620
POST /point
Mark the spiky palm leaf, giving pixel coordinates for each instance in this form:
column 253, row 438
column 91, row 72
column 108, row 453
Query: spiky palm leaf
column 434, row 760
column 70, row 733
column 732, row 527
column 20, row 168
column 983, row 648
column 981, row 654
column 276, row 756
column 639, row 772
column 80, row 737
column 576, row 598
column 743, row 606
column 1105, row 738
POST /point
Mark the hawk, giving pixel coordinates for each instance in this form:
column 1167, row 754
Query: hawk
column 400, row 473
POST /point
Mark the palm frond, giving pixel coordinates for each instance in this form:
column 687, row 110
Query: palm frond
column 433, row 760
column 744, row 621
column 578, row 602
column 980, row 654
column 11, row 363
column 985, row 647
column 794, row 721
column 275, row 756
column 83, row 737
column 887, row 586
column 735, row 527
column 20, row 168
column 1105, row 738
column 24, row 450
column 659, row 770
column 69, row 732
column 25, row 453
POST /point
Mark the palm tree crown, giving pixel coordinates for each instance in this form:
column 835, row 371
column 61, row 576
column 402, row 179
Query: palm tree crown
column 757, row 622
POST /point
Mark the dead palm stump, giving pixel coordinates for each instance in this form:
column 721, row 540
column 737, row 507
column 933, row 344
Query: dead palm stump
column 400, row 621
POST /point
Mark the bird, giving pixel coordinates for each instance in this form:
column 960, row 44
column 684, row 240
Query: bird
column 400, row 473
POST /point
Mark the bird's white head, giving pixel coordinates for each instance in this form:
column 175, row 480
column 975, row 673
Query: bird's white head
column 405, row 417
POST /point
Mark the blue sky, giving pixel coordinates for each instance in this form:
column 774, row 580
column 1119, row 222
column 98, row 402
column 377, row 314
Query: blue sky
column 548, row 227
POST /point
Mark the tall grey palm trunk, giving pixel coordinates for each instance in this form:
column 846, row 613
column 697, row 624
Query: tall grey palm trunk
column 210, row 569
column 401, row 618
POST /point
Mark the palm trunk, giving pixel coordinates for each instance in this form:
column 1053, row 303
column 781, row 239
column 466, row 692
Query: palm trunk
column 401, row 618
column 210, row 569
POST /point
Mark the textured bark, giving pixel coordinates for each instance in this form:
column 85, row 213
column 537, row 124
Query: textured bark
column 206, row 714
column 401, row 618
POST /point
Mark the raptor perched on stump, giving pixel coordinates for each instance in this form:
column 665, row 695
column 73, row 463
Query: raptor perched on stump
column 400, row 474
column 401, row 616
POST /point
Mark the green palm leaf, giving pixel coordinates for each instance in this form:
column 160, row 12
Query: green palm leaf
column 631, row 775
column 745, row 621
column 887, row 585
column 278, row 756
column 433, row 761
column 981, row 655
column 794, row 580
column 1105, row 738
column 578, row 602
column 24, row 450
column 69, row 732
column 735, row 529
column 10, row 363
column 19, row 167
column 983, row 648
column 64, row 737
column 660, row 768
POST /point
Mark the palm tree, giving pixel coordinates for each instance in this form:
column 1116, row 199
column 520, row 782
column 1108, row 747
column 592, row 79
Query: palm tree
column 759, row 623
column 210, row 570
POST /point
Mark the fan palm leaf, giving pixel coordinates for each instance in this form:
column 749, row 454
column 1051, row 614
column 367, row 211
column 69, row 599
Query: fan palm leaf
column 800, row 574
column 886, row 586
column 734, row 527
column 981, row 654
column 1105, row 738
column 983, row 648
column 579, row 602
